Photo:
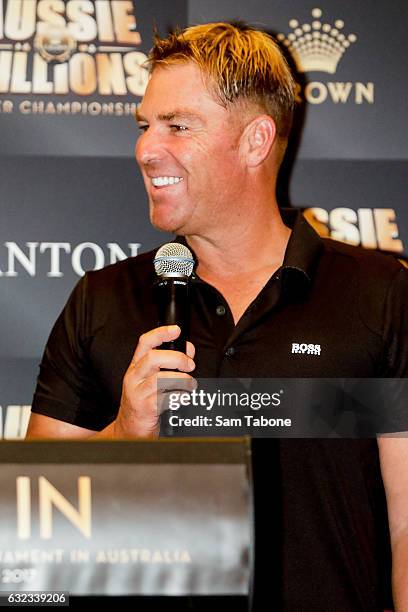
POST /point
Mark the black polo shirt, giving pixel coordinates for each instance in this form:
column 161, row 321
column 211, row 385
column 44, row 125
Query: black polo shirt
column 321, row 518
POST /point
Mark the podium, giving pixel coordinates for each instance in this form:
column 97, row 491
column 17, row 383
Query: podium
column 166, row 522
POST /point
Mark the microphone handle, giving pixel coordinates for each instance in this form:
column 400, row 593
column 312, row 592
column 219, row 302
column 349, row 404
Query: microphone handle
column 173, row 308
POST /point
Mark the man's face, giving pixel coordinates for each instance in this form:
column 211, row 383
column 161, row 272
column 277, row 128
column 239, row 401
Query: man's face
column 188, row 152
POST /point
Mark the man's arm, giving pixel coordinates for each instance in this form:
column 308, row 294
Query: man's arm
column 139, row 411
column 41, row 426
column 394, row 468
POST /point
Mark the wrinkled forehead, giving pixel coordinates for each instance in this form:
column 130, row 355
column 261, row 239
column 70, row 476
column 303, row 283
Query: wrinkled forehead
column 181, row 70
column 187, row 84
column 178, row 86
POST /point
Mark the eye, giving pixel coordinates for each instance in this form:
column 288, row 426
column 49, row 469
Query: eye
column 143, row 127
column 178, row 128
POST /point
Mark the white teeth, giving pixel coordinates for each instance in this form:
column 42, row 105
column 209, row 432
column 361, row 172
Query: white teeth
column 161, row 181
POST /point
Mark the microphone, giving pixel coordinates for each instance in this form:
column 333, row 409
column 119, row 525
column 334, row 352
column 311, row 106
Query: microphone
column 174, row 264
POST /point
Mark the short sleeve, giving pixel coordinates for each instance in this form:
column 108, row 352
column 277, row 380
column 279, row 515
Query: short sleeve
column 396, row 326
column 392, row 392
column 66, row 389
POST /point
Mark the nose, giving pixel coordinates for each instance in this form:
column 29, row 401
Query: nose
column 149, row 148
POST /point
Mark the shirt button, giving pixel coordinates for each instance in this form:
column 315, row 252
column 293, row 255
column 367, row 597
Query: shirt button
column 220, row 310
column 230, row 351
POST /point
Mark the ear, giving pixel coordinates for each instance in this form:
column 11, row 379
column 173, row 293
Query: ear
column 257, row 140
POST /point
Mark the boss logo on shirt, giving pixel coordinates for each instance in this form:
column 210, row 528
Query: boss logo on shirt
column 306, row 349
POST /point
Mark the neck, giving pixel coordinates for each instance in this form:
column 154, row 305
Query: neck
column 257, row 243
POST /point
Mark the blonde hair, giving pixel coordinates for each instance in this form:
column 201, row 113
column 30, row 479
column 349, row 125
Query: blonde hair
column 242, row 64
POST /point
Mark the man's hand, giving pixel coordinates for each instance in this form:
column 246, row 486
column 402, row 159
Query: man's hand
column 139, row 411
column 140, row 404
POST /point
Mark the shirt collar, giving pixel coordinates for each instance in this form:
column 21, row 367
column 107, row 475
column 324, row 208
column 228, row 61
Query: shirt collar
column 302, row 251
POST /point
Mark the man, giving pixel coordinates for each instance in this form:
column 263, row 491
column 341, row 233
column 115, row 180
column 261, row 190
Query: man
column 215, row 121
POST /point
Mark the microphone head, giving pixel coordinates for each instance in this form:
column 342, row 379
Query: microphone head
column 173, row 259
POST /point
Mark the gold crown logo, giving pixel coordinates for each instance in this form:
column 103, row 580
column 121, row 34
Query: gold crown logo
column 317, row 46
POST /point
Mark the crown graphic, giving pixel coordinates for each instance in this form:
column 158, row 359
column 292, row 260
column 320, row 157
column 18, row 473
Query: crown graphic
column 317, row 46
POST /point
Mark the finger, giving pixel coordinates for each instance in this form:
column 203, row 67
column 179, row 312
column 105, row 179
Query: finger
column 190, row 349
column 168, row 381
column 154, row 360
column 175, row 398
column 154, row 392
column 157, row 382
column 154, row 338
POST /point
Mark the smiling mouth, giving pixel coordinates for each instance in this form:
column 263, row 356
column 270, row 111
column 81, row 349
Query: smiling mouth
column 164, row 181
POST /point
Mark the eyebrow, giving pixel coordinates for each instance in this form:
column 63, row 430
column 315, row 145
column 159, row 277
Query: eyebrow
column 177, row 114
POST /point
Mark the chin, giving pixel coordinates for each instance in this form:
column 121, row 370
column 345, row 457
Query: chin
column 164, row 224
column 166, row 221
